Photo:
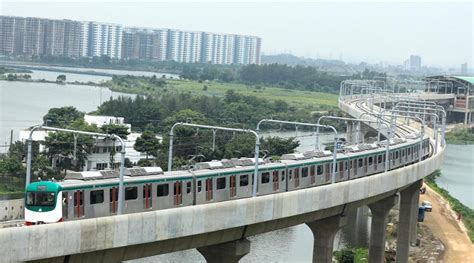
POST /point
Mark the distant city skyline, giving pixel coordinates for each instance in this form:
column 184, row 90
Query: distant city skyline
column 36, row 37
column 440, row 32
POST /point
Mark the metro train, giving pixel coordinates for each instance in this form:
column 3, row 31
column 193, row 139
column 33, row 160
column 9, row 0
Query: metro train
column 95, row 193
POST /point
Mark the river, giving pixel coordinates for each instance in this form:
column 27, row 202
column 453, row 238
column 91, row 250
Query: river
column 95, row 71
column 23, row 104
column 457, row 173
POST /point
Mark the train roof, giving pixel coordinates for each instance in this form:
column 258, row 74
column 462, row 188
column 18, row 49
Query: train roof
column 43, row 186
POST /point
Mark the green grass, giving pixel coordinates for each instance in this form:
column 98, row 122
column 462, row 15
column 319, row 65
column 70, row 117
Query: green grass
column 11, row 186
column 298, row 98
column 466, row 212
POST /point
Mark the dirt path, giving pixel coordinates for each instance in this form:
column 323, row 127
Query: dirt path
column 444, row 225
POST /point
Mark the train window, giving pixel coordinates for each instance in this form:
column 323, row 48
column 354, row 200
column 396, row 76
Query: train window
column 244, row 180
column 199, row 184
column 409, row 151
column 265, row 178
column 371, row 160
column 283, row 175
column 131, row 193
column 312, row 171
column 304, row 172
column 379, row 159
column 188, row 187
column 96, row 196
column 360, row 163
column 403, row 153
column 220, row 183
column 162, row 190
column 396, row 155
column 319, row 170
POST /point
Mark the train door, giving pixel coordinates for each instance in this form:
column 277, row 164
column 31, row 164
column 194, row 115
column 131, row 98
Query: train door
column 208, row 189
column 375, row 163
column 366, row 167
column 312, row 174
column 113, row 199
column 79, row 203
column 275, row 180
column 65, row 205
column 355, row 167
column 327, row 172
column 147, row 197
column 297, row 177
column 232, row 189
column 340, row 165
column 178, row 197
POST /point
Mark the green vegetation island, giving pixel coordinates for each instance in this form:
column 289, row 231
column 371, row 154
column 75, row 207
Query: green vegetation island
column 460, row 136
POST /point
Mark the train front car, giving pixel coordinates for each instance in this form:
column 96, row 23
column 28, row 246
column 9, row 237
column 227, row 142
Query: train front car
column 43, row 203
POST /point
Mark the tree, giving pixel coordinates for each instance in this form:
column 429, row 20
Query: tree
column 147, row 143
column 10, row 166
column 62, row 117
column 61, row 145
column 61, row 78
column 11, row 77
column 279, row 146
column 116, row 129
column 242, row 145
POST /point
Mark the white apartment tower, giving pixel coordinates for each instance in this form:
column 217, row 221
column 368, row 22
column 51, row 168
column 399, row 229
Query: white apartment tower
column 184, row 46
column 217, row 48
column 105, row 39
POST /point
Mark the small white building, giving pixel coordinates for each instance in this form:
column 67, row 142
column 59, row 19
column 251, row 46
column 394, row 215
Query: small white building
column 99, row 159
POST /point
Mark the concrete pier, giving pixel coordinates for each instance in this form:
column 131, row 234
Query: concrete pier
column 407, row 220
column 324, row 231
column 379, row 210
column 229, row 252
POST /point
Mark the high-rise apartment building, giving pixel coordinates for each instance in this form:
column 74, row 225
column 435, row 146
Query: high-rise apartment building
column 464, row 68
column 54, row 37
column 49, row 37
column 184, row 46
column 76, row 38
column 218, row 48
column 144, row 43
column 105, row 39
column 415, row 62
column 7, row 35
column 33, row 41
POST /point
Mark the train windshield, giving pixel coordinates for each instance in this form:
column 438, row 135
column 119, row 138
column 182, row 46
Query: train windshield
column 40, row 198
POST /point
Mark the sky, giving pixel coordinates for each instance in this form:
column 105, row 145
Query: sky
column 440, row 32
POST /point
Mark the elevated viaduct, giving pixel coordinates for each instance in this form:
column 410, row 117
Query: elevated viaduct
column 219, row 230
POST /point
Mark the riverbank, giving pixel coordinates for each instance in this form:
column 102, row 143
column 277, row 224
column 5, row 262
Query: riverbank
column 461, row 211
column 88, row 68
column 442, row 221
column 22, row 79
